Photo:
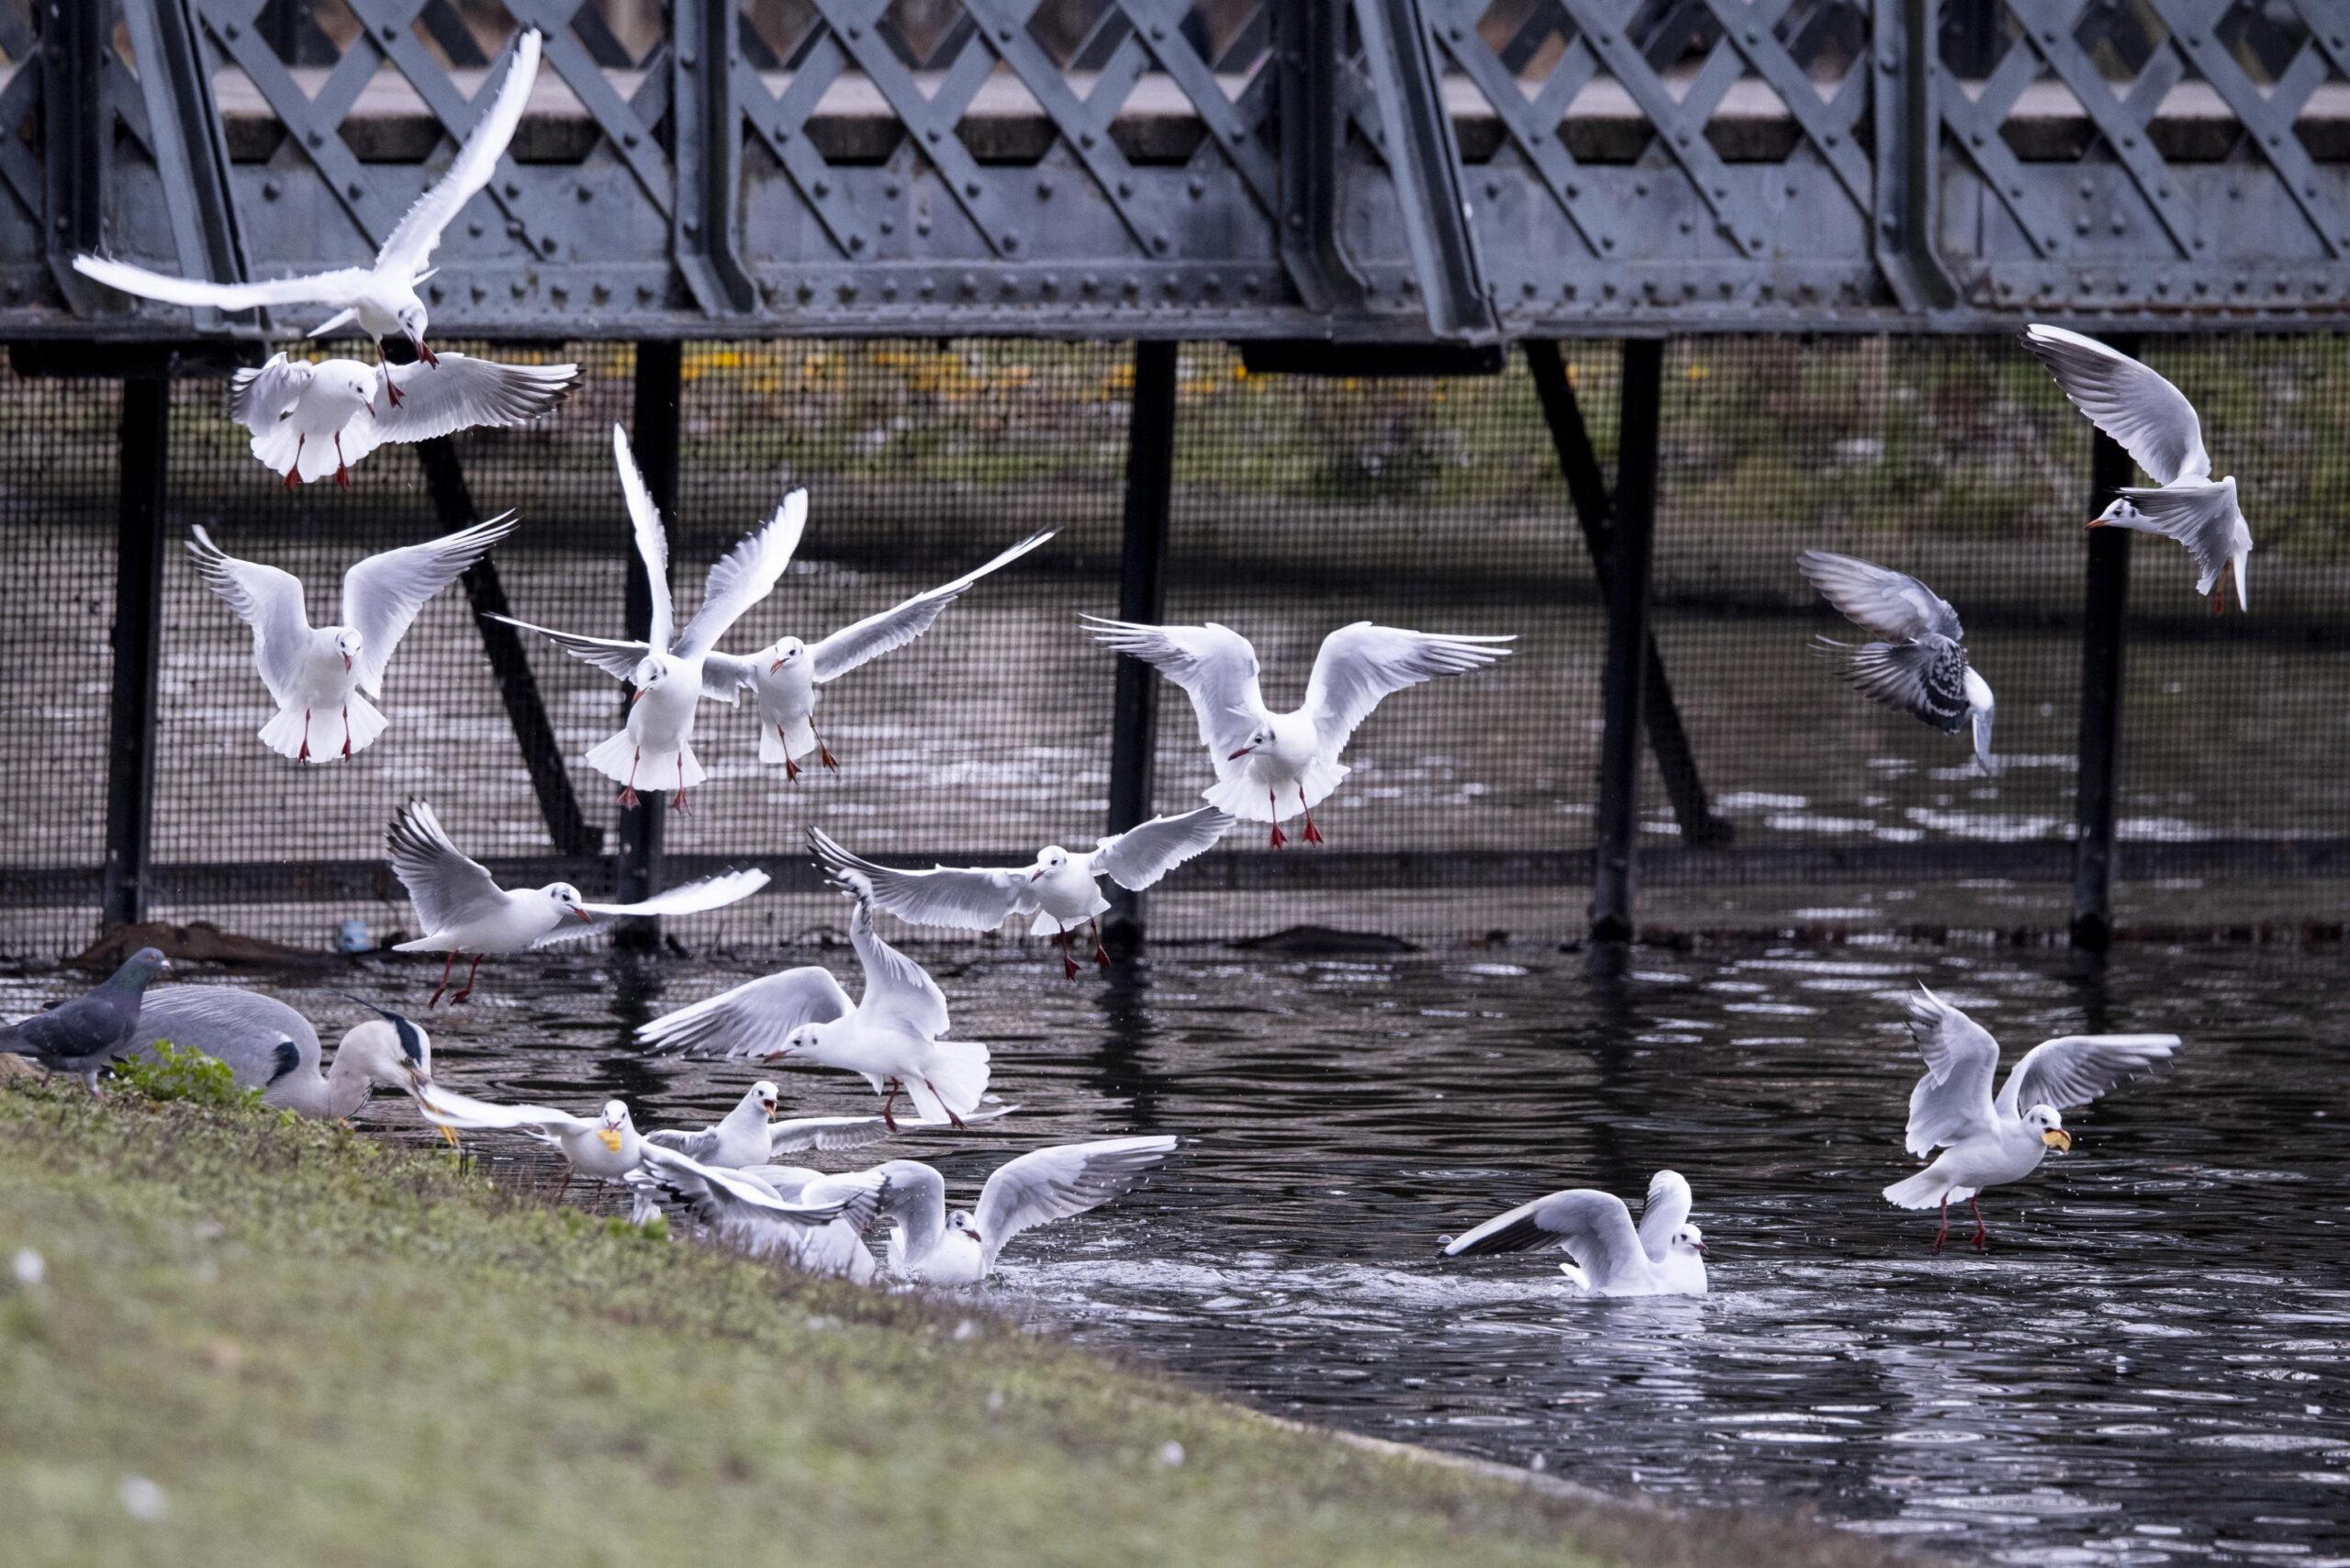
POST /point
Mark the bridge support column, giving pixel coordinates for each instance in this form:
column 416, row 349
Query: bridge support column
column 1632, row 545
column 1142, row 596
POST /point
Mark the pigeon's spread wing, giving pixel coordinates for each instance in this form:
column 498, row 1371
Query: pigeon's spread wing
column 893, row 628
column 744, row 576
column 2152, row 418
column 897, row 990
column 337, row 288
column 1925, row 680
column 652, row 541
column 1889, row 603
column 1665, row 1211
column 2076, row 1068
column 268, row 600
column 1214, row 665
column 1953, row 1100
column 457, row 393
column 258, row 399
column 1055, row 1184
column 2201, row 517
column 1361, row 663
column 615, row 656
column 1593, row 1227
column 412, row 241
column 447, row 888
column 751, row 1020
column 382, row 594
column 967, row 899
column 1141, row 856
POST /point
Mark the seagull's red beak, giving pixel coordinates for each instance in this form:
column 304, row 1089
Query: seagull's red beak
column 634, row 695
column 1036, row 873
column 423, row 351
column 346, row 661
column 585, row 918
column 774, row 666
column 1237, row 756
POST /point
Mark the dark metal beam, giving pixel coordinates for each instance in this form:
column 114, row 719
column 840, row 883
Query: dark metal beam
column 2106, row 595
column 706, row 153
column 141, row 474
column 191, row 151
column 660, row 386
column 74, row 137
column 1142, row 596
column 1631, row 545
column 1306, row 81
column 1595, row 511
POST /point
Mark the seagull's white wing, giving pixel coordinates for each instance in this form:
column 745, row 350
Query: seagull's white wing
column 1140, row 855
column 687, row 898
column 615, row 656
column 1214, row 665
column 652, row 541
column 1889, row 603
column 1054, row 1183
column 797, row 1135
column 268, row 600
column 725, row 677
column 1926, row 679
column 382, row 594
column 722, row 1197
column 1953, row 1100
column 446, row 886
column 463, row 1112
column 744, row 576
column 339, row 287
column 693, row 1144
column 1361, row 663
column 892, row 629
column 753, row 1019
column 2152, row 418
column 411, row 245
column 257, row 399
column 1665, row 1211
column 968, row 899
column 1593, row 1227
column 455, row 393
column 2201, row 517
column 897, row 990
column 2074, row 1070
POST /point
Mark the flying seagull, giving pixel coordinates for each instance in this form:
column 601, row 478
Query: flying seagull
column 464, row 909
column 929, row 1243
column 1665, row 1256
column 1922, row 666
column 1987, row 1142
column 669, row 674
column 313, row 418
column 1060, row 888
column 751, row 1134
column 1264, row 760
column 85, row 1036
column 323, row 676
column 381, row 299
column 2157, row 427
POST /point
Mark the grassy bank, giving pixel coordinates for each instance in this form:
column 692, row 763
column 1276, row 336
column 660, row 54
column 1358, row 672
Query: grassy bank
column 256, row 1341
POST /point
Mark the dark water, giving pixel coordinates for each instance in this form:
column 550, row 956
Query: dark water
column 2152, row 1364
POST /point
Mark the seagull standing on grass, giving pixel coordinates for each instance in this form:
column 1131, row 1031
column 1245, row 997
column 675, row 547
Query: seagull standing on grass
column 1060, row 888
column 313, row 418
column 783, row 676
column 271, row 1047
column 2155, row 424
column 1264, row 760
column 1922, row 668
column 669, row 671
column 937, row 1247
column 1987, row 1142
column 85, row 1036
column 890, row 1036
column 464, row 909
column 381, row 299
column 1665, row 1256
column 751, row 1134
column 325, row 674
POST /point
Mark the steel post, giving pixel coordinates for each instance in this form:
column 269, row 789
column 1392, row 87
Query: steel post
column 659, row 389
column 1631, row 546
column 2105, row 599
column 1142, row 596
column 142, row 465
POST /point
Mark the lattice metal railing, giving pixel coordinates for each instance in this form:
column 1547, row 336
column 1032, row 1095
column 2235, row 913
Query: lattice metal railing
column 1372, row 169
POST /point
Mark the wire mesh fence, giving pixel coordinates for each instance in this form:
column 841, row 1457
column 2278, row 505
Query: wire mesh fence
column 1299, row 504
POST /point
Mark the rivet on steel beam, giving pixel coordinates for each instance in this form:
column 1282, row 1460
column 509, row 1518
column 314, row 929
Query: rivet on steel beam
column 971, row 283
column 822, row 187
column 971, row 189
column 512, row 190
column 1003, row 35
column 558, row 293
column 1010, row 242
column 1043, row 189
column 692, row 227
column 856, row 241
column 643, row 292
column 891, row 190
column 586, row 193
column 481, row 293
column 271, row 190
column 805, row 292
column 1158, row 243
column 628, row 139
column 353, row 190
column 1085, row 138
column 933, row 134
column 889, row 226
column 1088, row 283
column 927, row 288
column 855, row 32
column 391, row 34
column 888, row 291
column 1048, row 285
column 1196, row 185
column 847, row 292
column 1158, row 32
column 232, row 32
column 316, row 139
column 1125, row 187
column 686, row 58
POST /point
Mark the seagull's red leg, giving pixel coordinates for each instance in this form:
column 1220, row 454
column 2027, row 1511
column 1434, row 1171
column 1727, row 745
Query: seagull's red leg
column 1944, row 1234
column 628, row 791
column 346, row 729
column 1273, row 802
column 293, row 469
column 393, row 387
column 951, row 1116
column 1068, row 963
column 889, row 1105
column 1982, row 1234
column 446, row 965
column 791, row 769
column 679, row 799
column 1101, row 954
column 341, row 470
column 469, row 981
column 304, row 754
column 823, row 752
column 1313, row 833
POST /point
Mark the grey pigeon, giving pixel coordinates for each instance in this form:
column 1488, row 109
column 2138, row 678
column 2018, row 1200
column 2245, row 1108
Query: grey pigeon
column 83, row 1036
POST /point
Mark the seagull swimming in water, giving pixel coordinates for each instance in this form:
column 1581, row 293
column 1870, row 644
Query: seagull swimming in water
column 313, row 418
column 1987, row 1142
column 380, row 299
column 1665, row 1255
column 939, row 1246
column 1921, row 667
column 2155, row 423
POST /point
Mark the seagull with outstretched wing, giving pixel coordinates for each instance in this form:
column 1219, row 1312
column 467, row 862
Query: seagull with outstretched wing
column 1921, row 666
column 1665, row 1255
column 313, row 418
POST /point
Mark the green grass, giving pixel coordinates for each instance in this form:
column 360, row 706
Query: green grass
column 323, row 1349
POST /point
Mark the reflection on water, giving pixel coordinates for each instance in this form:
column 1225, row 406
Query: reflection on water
column 2151, row 1364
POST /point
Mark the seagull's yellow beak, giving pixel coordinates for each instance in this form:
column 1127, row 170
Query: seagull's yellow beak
column 2059, row 1139
column 612, row 1137
column 449, row 1135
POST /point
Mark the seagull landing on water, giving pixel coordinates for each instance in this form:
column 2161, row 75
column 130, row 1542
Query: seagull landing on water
column 2155, row 424
column 783, row 677
column 1265, row 760
column 325, row 675
column 313, row 418
column 929, row 1243
column 1922, row 669
column 1665, row 1256
column 1060, row 888
column 1987, row 1142
column 380, row 299
column 669, row 672
column 751, row 1134
column 768, row 1211
column 464, row 911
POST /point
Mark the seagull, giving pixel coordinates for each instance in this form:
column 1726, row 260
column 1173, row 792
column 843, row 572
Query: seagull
column 1922, row 668
column 328, row 672
column 773, row 1211
column 1060, row 888
column 938, row 1248
column 2157, row 427
column 750, row 1134
column 1987, row 1142
column 464, row 911
column 1262, row 757
column 1666, row 1256
column 84, row 1036
column 783, row 676
column 669, row 672
column 382, row 298
column 271, row 1047
column 890, row 1035
column 313, row 418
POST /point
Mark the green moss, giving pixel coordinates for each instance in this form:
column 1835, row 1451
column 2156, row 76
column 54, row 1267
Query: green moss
column 171, row 1073
column 323, row 1349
